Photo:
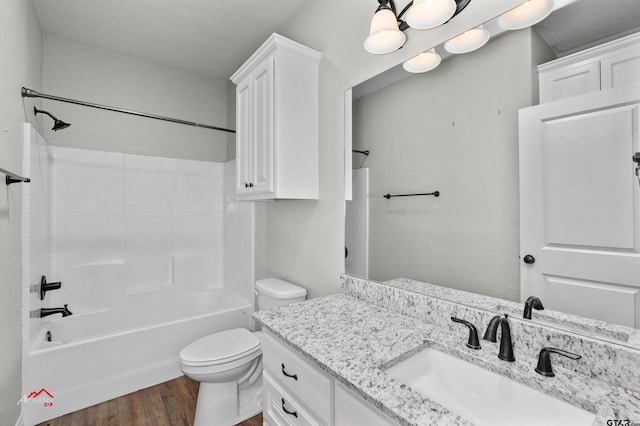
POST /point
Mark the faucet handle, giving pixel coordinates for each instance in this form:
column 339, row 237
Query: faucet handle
column 473, row 342
column 544, row 360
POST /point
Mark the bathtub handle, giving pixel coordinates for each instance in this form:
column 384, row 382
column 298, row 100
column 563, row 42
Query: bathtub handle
column 291, row 413
column 293, row 376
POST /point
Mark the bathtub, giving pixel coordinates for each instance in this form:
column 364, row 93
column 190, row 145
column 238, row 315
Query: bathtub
column 101, row 355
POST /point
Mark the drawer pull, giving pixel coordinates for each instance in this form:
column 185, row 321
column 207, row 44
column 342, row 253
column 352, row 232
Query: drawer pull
column 293, row 376
column 291, row 413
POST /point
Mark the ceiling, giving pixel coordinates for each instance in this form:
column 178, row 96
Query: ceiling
column 214, row 37
column 210, row 37
column 586, row 23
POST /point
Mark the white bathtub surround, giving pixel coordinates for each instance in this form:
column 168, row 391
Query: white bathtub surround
column 36, row 230
column 112, row 210
column 144, row 247
column 354, row 341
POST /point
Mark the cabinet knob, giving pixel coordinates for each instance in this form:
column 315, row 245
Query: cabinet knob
column 529, row 259
column 246, row 185
column 250, row 185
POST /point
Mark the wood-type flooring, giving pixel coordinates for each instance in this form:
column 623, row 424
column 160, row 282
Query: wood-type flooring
column 172, row 403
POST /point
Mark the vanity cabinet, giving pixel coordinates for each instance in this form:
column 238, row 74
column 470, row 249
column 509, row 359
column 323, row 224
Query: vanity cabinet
column 351, row 410
column 602, row 67
column 277, row 122
column 297, row 392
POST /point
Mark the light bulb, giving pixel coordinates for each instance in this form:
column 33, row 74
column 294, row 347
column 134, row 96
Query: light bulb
column 426, row 61
column 425, row 14
column 468, row 41
column 526, row 15
column 384, row 34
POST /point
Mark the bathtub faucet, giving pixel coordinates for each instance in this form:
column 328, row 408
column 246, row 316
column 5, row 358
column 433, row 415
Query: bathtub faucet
column 50, row 311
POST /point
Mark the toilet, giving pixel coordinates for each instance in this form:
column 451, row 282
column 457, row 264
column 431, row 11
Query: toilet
column 228, row 364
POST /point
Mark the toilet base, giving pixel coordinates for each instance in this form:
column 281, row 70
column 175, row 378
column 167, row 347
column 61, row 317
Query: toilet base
column 220, row 404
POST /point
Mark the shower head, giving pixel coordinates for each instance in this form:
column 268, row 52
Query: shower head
column 57, row 124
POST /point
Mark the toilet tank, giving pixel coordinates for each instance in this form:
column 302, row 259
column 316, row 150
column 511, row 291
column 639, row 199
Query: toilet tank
column 274, row 292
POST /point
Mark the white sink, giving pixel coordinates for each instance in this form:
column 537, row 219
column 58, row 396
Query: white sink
column 481, row 396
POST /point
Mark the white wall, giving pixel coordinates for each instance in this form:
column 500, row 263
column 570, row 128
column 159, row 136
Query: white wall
column 239, row 229
column 454, row 129
column 20, row 65
column 88, row 73
column 303, row 241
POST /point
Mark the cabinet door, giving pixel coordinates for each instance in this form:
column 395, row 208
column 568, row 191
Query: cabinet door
column 570, row 81
column 262, row 85
column 243, row 136
column 281, row 408
column 621, row 68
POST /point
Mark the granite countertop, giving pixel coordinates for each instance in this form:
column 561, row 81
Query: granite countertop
column 602, row 330
column 354, row 341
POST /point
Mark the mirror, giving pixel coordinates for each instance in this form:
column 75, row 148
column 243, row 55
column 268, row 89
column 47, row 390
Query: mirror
column 455, row 130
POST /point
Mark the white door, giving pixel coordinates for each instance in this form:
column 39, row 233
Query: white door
column 580, row 205
column 243, row 136
column 356, row 240
column 262, row 148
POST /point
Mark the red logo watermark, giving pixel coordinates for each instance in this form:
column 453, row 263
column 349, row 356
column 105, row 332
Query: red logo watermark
column 42, row 396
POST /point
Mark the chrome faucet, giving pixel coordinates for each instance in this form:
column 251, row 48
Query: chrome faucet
column 50, row 311
column 532, row 302
column 506, row 345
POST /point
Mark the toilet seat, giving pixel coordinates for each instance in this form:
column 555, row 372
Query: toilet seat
column 221, row 348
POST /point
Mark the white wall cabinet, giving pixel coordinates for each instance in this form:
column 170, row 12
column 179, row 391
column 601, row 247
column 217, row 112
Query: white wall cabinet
column 602, row 67
column 277, row 122
column 296, row 392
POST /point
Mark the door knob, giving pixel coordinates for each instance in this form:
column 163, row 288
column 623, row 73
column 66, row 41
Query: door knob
column 529, row 259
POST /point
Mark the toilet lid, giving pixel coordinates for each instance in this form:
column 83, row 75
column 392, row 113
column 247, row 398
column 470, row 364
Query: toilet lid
column 224, row 346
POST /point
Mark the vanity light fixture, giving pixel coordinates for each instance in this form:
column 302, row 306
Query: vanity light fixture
column 526, row 15
column 385, row 35
column 386, row 30
column 426, row 61
column 425, row 14
column 468, row 41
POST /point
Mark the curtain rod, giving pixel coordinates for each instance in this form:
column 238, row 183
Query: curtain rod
column 13, row 178
column 434, row 193
column 29, row 93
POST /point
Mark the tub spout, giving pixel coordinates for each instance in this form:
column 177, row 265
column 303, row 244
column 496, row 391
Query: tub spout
column 50, row 311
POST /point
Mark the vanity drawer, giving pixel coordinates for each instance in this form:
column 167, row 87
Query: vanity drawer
column 281, row 408
column 301, row 378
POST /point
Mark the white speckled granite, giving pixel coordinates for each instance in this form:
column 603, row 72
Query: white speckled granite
column 601, row 359
column 354, row 340
column 590, row 327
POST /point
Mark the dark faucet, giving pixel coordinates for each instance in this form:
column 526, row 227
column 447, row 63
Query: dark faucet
column 473, row 342
column 50, row 311
column 544, row 361
column 506, row 345
column 45, row 286
column 532, row 302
